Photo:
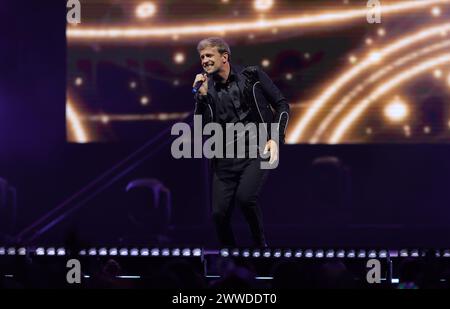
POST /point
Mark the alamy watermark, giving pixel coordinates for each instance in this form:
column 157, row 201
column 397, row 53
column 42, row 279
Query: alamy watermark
column 373, row 271
column 374, row 12
column 239, row 141
column 74, row 13
column 74, row 273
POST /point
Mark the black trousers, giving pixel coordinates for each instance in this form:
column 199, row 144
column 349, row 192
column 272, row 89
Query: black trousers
column 237, row 183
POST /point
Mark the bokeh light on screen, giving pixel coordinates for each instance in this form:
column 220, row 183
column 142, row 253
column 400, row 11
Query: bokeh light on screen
column 145, row 10
column 397, row 110
column 263, row 5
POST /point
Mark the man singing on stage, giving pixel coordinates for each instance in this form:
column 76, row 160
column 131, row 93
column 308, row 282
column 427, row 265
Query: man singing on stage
column 229, row 95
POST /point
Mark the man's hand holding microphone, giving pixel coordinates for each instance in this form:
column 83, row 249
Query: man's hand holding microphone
column 200, row 84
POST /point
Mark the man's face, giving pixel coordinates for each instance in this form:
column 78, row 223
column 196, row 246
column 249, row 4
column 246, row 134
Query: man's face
column 212, row 60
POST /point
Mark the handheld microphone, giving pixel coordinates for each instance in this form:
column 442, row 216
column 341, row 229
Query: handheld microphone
column 198, row 85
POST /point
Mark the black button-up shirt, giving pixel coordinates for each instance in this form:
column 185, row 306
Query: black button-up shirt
column 229, row 108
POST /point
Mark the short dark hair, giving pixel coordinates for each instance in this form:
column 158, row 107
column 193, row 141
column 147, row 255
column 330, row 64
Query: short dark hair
column 218, row 42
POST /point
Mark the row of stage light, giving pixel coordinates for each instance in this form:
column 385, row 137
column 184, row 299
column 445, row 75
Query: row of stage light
column 52, row 251
column 328, row 253
column 245, row 253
